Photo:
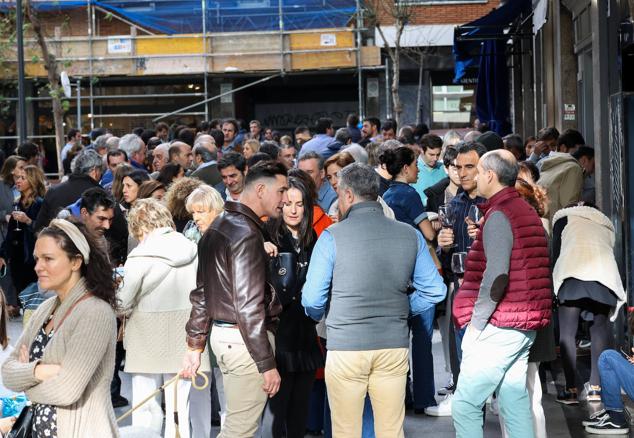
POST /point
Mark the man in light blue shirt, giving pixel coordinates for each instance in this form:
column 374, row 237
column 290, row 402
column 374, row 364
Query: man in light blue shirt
column 313, row 164
column 430, row 167
column 368, row 274
column 324, row 137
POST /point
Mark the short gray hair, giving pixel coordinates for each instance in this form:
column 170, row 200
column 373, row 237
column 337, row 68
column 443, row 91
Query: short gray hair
column 86, row 161
column 205, row 154
column 361, row 179
column 102, row 141
column 113, row 143
column 506, row 169
column 342, row 135
column 312, row 155
column 130, row 144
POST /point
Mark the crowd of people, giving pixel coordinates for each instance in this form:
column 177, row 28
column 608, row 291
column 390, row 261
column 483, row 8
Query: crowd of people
column 303, row 275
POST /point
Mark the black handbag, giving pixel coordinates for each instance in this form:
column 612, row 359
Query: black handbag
column 283, row 275
column 23, row 426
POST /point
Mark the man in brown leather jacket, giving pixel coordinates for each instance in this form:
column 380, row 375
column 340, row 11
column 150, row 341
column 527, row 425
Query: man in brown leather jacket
column 233, row 294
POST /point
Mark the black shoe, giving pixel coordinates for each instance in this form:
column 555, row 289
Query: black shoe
column 607, row 426
column 595, row 418
column 119, row 402
column 568, row 397
column 449, row 389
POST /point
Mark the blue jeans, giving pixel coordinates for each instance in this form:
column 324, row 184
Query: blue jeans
column 495, row 359
column 422, row 327
column 615, row 373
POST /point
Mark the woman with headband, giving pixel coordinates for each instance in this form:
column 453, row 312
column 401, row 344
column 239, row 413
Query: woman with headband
column 64, row 359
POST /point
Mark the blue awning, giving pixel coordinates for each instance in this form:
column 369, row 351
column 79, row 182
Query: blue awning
column 482, row 43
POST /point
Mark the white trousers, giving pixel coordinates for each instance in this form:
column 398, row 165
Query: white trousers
column 150, row 415
column 534, row 386
column 200, row 405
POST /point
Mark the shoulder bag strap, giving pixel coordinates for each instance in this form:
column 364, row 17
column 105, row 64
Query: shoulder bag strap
column 70, row 309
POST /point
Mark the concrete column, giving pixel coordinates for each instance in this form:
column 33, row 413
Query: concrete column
column 600, row 77
column 517, row 116
column 223, row 107
column 528, row 88
column 566, row 71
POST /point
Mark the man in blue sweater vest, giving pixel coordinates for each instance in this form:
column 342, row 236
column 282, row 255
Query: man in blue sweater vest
column 360, row 274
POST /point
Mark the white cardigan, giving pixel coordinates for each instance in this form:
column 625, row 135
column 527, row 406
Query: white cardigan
column 587, row 252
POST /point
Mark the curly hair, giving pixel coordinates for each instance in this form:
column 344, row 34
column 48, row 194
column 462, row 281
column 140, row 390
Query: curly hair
column 176, row 196
column 533, row 194
column 148, row 215
column 37, row 181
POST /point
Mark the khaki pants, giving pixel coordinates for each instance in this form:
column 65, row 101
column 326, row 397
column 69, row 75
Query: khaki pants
column 242, row 383
column 380, row 373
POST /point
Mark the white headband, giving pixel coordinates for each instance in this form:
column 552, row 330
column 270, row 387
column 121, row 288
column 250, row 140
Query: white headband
column 76, row 236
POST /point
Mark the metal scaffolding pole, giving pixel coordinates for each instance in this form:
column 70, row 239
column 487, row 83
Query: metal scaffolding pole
column 91, row 31
column 359, row 69
column 21, row 82
column 280, row 13
column 205, row 74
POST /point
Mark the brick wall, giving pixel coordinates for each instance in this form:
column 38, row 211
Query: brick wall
column 459, row 13
column 74, row 22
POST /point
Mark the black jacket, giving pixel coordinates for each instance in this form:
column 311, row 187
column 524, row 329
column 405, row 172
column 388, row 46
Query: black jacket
column 209, row 175
column 436, row 194
column 62, row 195
column 296, row 346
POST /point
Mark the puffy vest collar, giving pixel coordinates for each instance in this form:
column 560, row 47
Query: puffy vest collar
column 498, row 198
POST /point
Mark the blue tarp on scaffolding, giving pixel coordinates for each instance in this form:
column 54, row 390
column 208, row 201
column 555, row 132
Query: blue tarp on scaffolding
column 185, row 16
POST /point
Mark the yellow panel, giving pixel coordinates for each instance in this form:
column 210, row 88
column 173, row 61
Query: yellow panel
column 169, row 45
column 34, row 70
column 323, row 60
column 223, row 64
column 370, row 56
column 321, row 40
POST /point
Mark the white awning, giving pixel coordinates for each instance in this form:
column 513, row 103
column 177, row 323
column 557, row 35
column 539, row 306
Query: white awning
column 420, row 35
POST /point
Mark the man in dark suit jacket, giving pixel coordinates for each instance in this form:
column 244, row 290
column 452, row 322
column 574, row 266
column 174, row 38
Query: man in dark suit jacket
column 86, row 175
column 205, row 156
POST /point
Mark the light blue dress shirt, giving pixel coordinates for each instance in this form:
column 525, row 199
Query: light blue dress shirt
column 427, row 282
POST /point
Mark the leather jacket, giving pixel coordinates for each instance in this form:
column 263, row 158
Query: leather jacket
column 232, row 284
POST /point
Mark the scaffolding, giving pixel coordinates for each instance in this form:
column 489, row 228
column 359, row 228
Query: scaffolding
column 293, row 50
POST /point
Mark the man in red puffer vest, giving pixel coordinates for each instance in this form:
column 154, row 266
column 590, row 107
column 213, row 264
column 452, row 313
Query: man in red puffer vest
column 504, row 299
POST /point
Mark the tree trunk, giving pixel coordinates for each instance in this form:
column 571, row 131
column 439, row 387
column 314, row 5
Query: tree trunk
column 54, row 88
column 397, row 106
column 419, row 93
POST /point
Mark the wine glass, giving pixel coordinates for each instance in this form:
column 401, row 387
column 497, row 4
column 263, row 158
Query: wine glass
column 16, row 207
column 447, row 218
column 458, row 262
column 474, row 216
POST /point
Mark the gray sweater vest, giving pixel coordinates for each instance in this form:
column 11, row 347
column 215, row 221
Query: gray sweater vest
column 375, row 259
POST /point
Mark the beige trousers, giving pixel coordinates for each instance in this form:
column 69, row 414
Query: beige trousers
column 242, row 383
column 381, row 374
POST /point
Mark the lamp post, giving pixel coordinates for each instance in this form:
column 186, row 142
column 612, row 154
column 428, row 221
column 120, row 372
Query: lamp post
column 21, row 92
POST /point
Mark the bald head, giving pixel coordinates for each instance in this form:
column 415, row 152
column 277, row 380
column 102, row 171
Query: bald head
column 496, row 170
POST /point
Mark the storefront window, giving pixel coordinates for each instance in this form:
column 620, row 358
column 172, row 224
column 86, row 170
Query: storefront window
column 452, row 106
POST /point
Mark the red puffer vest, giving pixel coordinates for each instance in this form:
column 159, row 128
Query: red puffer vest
column 527, row 302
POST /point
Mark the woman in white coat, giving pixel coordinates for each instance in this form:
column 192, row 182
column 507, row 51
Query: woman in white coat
column 158, row 276
column 587, row 284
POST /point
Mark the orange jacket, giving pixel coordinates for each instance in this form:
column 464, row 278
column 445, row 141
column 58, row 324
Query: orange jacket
column 321, row 220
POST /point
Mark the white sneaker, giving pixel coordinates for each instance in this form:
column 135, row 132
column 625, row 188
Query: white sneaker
column 442, row 410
